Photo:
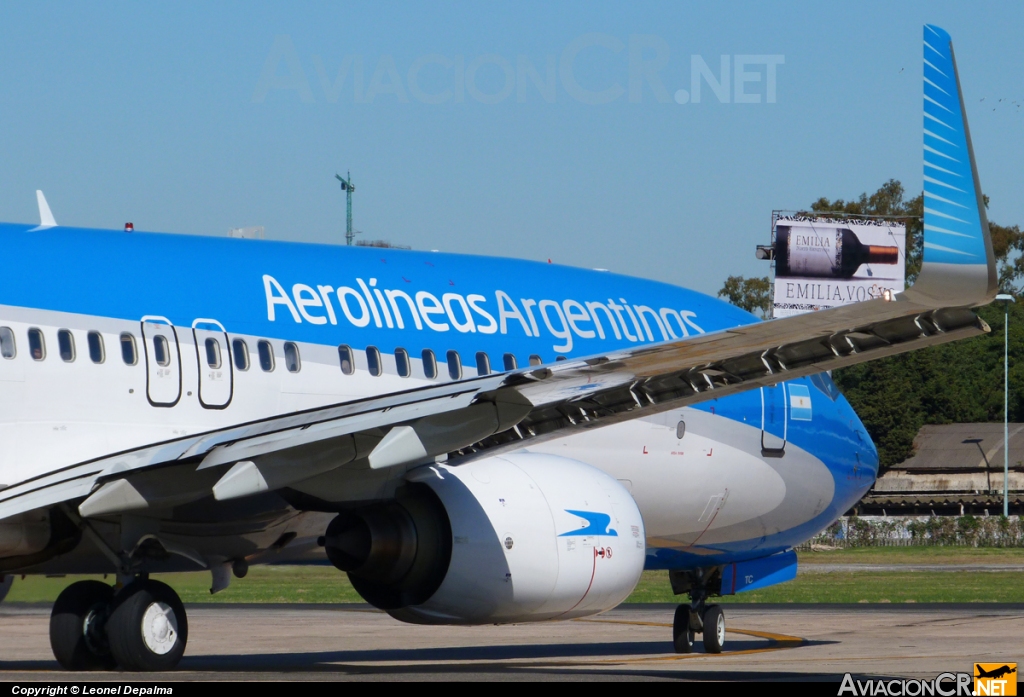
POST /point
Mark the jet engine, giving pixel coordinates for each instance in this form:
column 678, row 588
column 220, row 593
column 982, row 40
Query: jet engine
column 514, row 538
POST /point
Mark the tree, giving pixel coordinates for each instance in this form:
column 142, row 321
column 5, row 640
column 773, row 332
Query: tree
column 752, row 294
column 887, row 202
column 1008, row 245
column 1007, row 242
column 957, row 382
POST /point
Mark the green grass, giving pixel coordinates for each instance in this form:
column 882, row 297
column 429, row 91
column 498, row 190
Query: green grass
column 862, row 586
column 915, row 555
column 324, row 584
column 263, row 584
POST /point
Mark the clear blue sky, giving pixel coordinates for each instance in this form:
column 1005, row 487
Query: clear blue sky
column 165, row 114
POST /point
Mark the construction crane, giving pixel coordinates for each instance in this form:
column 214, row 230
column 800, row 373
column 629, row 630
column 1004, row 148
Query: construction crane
column 346, row 186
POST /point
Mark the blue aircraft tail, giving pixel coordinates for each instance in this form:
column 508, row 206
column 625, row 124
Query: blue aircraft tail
column 958, row 257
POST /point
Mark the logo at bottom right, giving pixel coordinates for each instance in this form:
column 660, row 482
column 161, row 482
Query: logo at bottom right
column 995, row 679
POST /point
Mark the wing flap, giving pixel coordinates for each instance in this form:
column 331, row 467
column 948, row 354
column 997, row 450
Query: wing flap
column 549, row 401
column 680, row 378
column 488, row 415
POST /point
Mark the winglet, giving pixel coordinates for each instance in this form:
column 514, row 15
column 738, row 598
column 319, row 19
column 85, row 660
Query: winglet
column 959, row 265
column 45, row 215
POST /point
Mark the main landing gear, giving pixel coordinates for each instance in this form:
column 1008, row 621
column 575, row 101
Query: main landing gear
column 141, row 627
column 697, row 617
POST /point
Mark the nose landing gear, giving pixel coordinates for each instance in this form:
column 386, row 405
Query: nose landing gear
column 697, row 617
column 690, row 620
column 685, row 626
column 714, row 629
column 143, row 627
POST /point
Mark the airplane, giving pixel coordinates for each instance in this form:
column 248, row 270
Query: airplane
column 994, row 673
column 473, row 440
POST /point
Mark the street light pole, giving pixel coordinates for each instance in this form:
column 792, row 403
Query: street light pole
column 346, row 186
column 1006, row 299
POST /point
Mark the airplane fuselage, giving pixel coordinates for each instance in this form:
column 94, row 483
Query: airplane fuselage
column 114, row 340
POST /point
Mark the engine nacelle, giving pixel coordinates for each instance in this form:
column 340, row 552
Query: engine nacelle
column 514, row 538
column 27, row 533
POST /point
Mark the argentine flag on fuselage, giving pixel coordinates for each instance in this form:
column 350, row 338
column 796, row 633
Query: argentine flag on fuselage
column 955, row 228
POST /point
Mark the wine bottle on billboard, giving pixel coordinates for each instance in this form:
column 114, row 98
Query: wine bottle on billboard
column 828, row 252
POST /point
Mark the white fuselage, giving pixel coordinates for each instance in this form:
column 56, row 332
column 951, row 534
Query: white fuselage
column 711, row 486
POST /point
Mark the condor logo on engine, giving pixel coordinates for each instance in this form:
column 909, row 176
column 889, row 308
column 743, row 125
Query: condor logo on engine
column 594, row 524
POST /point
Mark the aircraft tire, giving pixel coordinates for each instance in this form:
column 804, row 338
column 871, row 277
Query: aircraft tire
column 148, row 628
column 77, row 621
column 714, row 629
column 682, row 632
column 5, row 585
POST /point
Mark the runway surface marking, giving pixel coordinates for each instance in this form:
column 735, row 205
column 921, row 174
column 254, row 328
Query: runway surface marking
column 627, row 643
column 777, row 642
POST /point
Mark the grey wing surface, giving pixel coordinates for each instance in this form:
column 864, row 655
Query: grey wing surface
column 492, row 414
column 484, row 416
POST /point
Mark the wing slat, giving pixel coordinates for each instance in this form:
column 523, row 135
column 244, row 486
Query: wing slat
column 574, row 395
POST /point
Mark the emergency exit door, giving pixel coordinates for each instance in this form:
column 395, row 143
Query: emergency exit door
column 163, row 361
column 214, row 359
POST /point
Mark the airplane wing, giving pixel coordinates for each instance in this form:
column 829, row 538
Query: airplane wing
column 491, row 414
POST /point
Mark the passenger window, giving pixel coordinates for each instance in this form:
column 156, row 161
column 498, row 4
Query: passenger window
column 128, row 354
column 348, row 366
column 373, row 361
column 240, row 352
column 66, row 345
column 36, row 345
column 161, row 350
column 266, row 352
column 402, row 362
column 7, row 348
column 559, row 358
column 535, row 360
column 429, row 364
column 96, row 353
column 510, row 362
column 213, row 353
column 291, row 357
column 483, row 363
column 454, row 365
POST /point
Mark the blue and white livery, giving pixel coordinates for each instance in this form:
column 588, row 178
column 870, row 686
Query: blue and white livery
column 471, row 439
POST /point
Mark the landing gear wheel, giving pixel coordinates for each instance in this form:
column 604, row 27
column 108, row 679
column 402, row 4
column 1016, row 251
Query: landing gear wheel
column 77, row 621
column 147, row 629
column 714, row 629
column 682, row 632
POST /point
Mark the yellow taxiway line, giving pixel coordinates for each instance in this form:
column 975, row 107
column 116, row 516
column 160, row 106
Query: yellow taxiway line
column 777, row 642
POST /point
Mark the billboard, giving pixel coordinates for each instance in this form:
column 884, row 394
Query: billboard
column 825, row 262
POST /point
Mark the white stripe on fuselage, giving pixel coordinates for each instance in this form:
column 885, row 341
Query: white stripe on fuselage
column 710, row 487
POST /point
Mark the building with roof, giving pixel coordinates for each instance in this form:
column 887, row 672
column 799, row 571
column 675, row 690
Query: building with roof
column 955, row 469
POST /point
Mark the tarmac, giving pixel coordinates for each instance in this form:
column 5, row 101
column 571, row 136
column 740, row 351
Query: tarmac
column 354, row 642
